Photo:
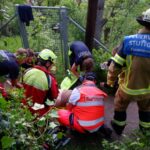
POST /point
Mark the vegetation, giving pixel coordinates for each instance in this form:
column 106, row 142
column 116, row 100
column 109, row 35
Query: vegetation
column 119, row 20
column 138, row 141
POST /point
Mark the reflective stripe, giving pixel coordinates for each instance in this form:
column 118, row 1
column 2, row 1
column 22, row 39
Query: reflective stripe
column 119, row 123
column 135, row 92
column 94, row 130
column 145, row 124
column 118, row 59
column 91, row 103
column 90, row 123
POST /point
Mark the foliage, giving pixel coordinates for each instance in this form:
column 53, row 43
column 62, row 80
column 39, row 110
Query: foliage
column 100, row 56
column 18, row 130
column 12, row 43
column 138, row 141
column 7, row 10
column 78, row 13
column 121, row 19
column 23, row 133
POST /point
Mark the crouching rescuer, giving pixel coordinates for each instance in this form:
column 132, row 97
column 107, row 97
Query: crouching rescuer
column 85, row 107
column 40, row 84
column 132, row 63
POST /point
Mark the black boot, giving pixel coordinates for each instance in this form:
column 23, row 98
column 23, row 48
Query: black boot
column 118, row 129
column 105, row 131
column 119, row 118
column 144, row 130
column 144, row 117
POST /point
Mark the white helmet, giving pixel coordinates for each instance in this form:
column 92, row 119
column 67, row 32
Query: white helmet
column 146, row 15
column 144, row 20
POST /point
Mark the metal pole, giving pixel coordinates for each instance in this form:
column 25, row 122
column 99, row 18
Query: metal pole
column 23, row 31
column 64, row 34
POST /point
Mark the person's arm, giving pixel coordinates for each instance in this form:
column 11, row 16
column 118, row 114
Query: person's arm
column 74, row 70
column 75, row 96
column 15, row 83
column 115, row 68
column 112, row 75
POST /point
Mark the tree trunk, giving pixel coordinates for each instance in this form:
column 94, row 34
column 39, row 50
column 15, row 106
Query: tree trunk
column 99, row 21
column 90, row 25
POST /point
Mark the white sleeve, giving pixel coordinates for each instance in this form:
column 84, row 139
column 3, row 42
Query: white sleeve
column 75, row 96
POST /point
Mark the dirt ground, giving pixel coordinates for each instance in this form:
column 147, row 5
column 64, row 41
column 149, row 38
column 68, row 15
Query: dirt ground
column 132, row 116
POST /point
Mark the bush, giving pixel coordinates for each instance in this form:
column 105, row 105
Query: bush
column 137, row 141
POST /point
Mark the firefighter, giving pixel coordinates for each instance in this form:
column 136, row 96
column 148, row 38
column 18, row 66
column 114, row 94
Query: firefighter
column 85, row 107
column 132, row 63
column 10, row 66
column 39, row 84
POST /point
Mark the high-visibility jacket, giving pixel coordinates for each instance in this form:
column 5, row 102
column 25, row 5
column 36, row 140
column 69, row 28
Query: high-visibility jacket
column 132, row 63
column 90, row 107
column 39, row 86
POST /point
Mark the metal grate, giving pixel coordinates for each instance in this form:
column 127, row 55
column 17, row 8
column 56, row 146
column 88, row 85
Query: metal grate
column 44, row 30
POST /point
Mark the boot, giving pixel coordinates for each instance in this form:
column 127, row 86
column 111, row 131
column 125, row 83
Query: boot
column 144, row 117
column 105, row 131
column 118, row 129
column 118, row 124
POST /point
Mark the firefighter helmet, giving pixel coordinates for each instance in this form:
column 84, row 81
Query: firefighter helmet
column 47, row 54
column 144, row 19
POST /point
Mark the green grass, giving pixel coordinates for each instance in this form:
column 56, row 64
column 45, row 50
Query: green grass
column 10, row 43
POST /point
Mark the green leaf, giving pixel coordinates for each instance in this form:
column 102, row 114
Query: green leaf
column 53, row 114
column 52, row 125
column 3, row 103
column 59, row 135
column 7, row 142
column 49, row 102
column 41, row 123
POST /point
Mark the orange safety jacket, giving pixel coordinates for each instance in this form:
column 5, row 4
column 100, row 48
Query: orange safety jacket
column 90, row 107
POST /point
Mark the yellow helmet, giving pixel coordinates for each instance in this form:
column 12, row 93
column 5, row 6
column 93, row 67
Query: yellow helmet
column 47, row 54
